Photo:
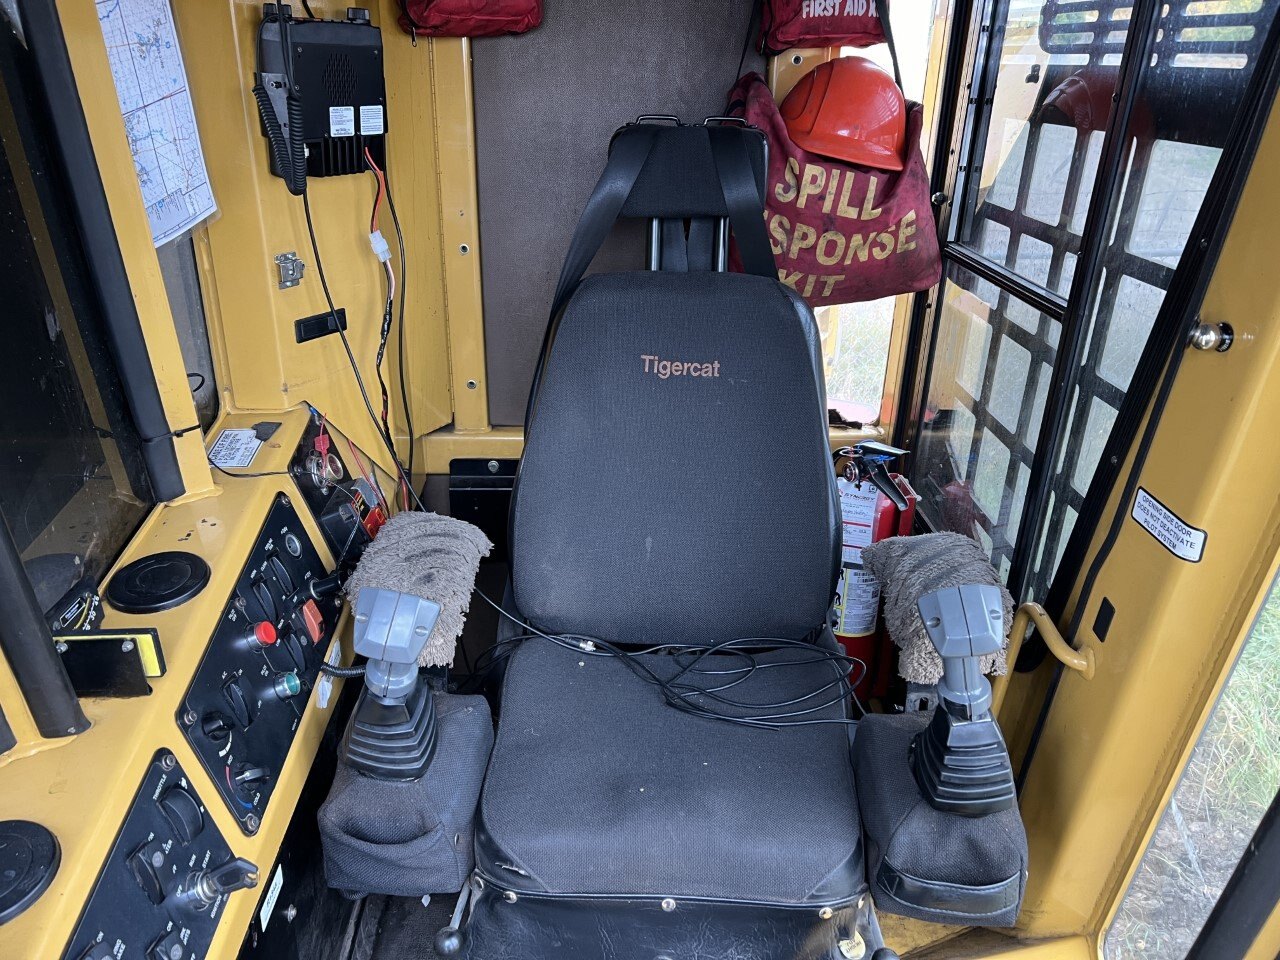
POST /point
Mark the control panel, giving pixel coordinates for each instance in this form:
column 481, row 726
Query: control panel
column 248, row 695
column 168, row 876
column 347, row 505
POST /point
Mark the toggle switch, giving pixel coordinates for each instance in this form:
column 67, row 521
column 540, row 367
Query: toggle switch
column 168, row 947
column 311, row 621
column 147, row 864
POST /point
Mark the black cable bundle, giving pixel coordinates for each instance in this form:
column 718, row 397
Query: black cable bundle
column 688, row 697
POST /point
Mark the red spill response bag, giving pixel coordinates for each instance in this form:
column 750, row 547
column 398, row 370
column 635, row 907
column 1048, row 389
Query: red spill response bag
column 842, row 233
column 820, row 23
column 469, row 18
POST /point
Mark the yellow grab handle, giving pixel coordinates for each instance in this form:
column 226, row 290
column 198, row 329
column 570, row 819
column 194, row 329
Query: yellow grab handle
column 1082, row 661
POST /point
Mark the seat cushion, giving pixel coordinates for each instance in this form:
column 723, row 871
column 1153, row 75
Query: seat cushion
column 596, row 787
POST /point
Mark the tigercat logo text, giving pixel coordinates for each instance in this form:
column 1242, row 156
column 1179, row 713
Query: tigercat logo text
column 664, row 369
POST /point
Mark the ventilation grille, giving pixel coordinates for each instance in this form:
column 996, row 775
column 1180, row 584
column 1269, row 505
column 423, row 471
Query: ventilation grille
column 340, row 79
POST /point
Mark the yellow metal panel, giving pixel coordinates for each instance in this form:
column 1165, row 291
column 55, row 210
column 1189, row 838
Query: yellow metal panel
column 1113, row 746
column 1266, row 946
column 115, row 163
column 460, row 228
column 259, row 363
column 981, row 944
column 82, row 790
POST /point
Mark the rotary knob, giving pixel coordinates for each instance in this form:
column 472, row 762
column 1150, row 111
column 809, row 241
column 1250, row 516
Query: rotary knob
column 183, row 812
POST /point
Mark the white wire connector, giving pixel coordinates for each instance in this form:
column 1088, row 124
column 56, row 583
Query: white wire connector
column 379, row 245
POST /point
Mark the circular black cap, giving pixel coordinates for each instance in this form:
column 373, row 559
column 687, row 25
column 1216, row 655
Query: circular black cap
column 157, row 582
column 29, row 858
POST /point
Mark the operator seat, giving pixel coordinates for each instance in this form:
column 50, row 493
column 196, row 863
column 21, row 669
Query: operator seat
column 676, row 488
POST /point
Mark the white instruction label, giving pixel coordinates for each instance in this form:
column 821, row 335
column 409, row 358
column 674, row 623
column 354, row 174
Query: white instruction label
column 1179, row 538
column 273, row 894
column 858, row 597
column 234, row 448
column 371, row 121
column 342, row 121
column 324, row 688
column 858, row 513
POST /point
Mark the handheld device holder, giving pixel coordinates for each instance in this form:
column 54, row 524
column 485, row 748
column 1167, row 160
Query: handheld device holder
column 392, row 733
column 960, row 760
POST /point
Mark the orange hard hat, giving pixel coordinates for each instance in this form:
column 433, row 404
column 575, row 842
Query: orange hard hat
column 849, row 109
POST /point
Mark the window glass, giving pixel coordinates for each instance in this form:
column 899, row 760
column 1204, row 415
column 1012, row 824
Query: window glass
column 1231, row 779
column 1183, row 115
column 1044, row 133
column 855, row 336
column 986, row 399
column 72, row 483
column 855, row 347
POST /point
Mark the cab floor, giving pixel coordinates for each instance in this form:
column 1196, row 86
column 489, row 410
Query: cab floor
column 400, row 928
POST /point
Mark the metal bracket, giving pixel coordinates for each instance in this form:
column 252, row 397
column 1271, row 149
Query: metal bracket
column 291, row 269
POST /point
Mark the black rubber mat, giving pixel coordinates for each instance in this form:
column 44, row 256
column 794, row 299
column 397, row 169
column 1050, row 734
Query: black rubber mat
column 401, row 928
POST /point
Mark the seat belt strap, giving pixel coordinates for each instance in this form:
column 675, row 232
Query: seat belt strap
column 626, row 160
column 675, row 252
column 743, row 201
column 702, row 244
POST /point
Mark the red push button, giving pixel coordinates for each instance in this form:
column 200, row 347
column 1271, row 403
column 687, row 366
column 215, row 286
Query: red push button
column 314, row 621
column 265, row 633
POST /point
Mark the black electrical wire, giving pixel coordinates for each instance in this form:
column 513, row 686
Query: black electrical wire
column 261, row 473
column 346, row 345
column 384, row 332
column 344, row 672
column 307, row 7
column 404, row 282
column 687, row 696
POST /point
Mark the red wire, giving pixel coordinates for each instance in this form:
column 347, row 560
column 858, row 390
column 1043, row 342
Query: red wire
column 367, row 474
column 382, row 189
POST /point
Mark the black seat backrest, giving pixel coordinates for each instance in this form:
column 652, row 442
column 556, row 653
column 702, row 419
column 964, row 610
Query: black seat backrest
column 676, row 484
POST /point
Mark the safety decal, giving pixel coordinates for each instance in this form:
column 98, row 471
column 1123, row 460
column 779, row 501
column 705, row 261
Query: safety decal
column 371, row 120
column 269, row 901
column 234, row 448
column 1177, row 536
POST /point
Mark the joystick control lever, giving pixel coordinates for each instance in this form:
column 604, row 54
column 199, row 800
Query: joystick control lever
column 960, row 760
column 392, row 732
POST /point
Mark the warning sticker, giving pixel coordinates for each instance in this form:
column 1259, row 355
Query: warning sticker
column 234, row 448
column 269, row 901
column 1178, row 537
column 342, row 121
column 858, row 513
column 371, row 121
column 857, row 602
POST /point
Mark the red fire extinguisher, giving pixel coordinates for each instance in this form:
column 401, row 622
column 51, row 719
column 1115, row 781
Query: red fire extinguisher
column 874, row 505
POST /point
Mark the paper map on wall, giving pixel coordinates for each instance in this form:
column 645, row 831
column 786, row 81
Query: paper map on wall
column 151, row 82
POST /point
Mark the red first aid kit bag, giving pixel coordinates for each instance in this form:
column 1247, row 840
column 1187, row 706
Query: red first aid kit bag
column 821, row 23
column 843, row 233
column 469, row 18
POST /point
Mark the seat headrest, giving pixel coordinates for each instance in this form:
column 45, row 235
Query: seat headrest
column 679, row 178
